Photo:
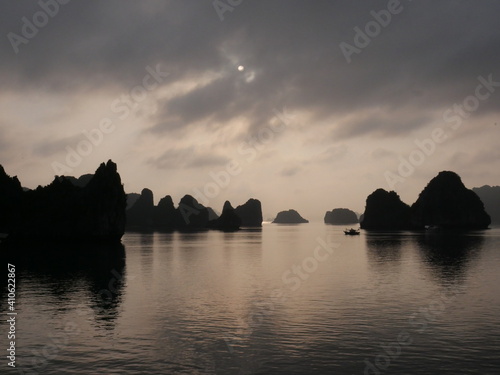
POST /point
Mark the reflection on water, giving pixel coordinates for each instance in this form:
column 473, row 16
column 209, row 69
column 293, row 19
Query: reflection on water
column 449, row 254
column 205, row 303
column 66, row 270
column 383, row 248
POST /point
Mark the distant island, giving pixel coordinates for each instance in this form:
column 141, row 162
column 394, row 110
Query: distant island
column 444, row 203
column 143, row 215
column 228, row 220
column 250, row 213
column 95, row 207
column 341, row 216
column 289, row 217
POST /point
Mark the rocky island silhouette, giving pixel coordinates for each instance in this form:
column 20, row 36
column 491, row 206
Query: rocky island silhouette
column 445, row 203
column 341, row 216
column 94, row 207
column 289, row 217
column 64, row 211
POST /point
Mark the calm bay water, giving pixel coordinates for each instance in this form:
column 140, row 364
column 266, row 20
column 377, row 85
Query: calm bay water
column 238, row 303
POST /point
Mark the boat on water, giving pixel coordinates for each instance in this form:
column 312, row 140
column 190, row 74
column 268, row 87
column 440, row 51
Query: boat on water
column 351, row 232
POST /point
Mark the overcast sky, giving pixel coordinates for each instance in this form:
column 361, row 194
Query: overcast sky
column 309, row 105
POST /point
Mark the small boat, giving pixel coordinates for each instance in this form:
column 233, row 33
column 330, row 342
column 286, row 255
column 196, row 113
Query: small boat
column 351, row 232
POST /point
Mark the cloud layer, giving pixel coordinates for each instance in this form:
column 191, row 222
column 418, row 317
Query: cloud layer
column 352, row 120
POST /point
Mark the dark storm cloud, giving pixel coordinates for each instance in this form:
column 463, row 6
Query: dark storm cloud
column 196, row 105
column 105, row 43
column 428, row 57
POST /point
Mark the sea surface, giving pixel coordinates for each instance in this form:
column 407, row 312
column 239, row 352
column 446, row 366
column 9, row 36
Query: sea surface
column 284, row 299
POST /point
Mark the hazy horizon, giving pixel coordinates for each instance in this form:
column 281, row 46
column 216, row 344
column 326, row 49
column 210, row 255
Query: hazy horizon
column 304, row 105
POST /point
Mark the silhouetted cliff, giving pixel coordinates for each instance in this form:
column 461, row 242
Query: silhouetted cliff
column 228, row 220
column 490, row 196
column 81, row 181
column 250, row 213
column 447, row 203
column 141, row 214
column 11, row 194
column 341, row 216
column 212, row 215
column 63, row 211
column 145, row 216
column 289, row 217
column 131, row 199
column 385, row 211
column 190, row 214
column 164, row 214
column 106, row 202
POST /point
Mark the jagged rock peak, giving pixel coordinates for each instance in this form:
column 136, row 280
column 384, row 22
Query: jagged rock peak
column 166, row 202
column 63, row 211
column 147, row 197
column 189, row 200
column 385, row 211
column 447, row 203
column 250, row 213
column 227, row 207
